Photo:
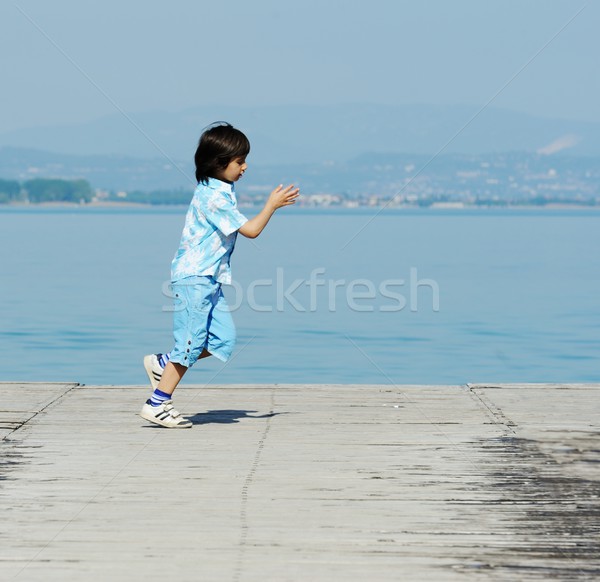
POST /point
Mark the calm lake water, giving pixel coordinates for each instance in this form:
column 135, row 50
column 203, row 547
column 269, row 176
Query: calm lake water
column 419, row 296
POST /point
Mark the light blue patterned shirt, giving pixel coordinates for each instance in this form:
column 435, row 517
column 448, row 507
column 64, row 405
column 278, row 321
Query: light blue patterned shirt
column 209, row 234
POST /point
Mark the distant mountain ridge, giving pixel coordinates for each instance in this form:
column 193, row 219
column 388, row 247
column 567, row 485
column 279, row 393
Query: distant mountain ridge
column 316, row 134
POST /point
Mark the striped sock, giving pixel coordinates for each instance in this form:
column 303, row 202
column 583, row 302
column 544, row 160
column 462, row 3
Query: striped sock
column 158, row 397
column 163, row 359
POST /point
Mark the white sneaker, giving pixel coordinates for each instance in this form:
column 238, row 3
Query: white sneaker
column 165, row 415
column 153, row 369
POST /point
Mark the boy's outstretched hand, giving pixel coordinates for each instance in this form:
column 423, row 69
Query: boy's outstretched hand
column 283, row 196
column 279, row 197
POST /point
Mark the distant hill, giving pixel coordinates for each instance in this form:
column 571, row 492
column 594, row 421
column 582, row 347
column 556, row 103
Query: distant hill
column 316, row 134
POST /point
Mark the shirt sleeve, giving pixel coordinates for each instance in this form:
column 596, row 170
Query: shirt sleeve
column 222, row 213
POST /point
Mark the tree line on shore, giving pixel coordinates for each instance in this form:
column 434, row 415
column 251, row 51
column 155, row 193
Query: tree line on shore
column 79, row 191
column 39, row 190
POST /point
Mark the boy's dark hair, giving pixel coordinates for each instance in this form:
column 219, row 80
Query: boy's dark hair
column 219, row 144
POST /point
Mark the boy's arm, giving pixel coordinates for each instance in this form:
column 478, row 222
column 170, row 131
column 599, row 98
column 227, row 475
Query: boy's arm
column 279, row 197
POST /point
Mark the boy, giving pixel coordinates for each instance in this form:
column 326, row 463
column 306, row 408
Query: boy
column 202, row 323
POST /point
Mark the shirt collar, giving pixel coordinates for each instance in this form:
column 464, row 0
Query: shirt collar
column 220, row 185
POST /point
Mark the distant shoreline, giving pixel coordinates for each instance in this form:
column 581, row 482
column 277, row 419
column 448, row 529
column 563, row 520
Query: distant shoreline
column 451, row 207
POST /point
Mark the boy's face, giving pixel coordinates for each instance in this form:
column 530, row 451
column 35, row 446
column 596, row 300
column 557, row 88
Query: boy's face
column 234, row 170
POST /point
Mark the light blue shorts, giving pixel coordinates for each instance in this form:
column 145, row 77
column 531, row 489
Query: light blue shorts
column 201, row 320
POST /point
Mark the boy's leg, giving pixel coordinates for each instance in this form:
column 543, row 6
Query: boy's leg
column 221, row 330
column 158, row 408
column 173, row 373
column 190, row 332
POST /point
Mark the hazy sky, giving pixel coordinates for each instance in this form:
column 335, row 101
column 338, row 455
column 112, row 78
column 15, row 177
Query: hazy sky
column 149, row 55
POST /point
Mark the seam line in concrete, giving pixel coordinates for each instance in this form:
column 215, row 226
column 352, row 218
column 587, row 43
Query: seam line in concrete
column 246, row 487
column 45, row 407
column 496, row 413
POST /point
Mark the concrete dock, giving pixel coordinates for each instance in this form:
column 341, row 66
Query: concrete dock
column 301, row 483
